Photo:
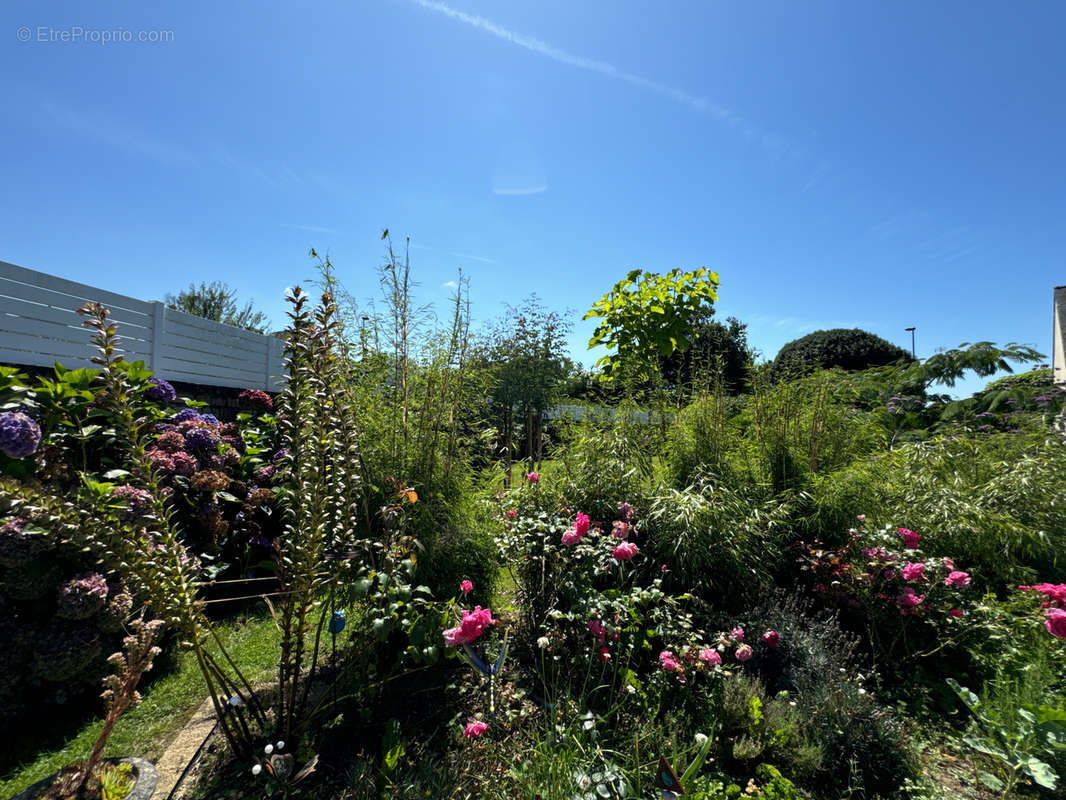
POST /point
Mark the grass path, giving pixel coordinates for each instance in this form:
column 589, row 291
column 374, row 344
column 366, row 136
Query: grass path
column 168, row 703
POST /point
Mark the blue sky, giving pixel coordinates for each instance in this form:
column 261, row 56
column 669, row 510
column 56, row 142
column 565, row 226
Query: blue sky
column 839, row 164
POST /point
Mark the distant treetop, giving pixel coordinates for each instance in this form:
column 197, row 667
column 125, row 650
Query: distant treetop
column 218, row 302
column 848, row 349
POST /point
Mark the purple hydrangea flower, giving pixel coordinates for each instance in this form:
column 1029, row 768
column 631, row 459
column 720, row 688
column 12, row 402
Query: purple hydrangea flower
column 201, row 439
column 264, row 475
column 138, row 501
column 20, row 436
column 164, row 427
column 160, row 390
column 82, row 597
column 210, row 418
column 281, row 455
column 186, row 414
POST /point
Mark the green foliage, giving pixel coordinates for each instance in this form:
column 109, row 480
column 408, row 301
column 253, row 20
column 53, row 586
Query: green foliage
column 718, row 353
column 847, row 349
column 647, row 315
column 218, row 302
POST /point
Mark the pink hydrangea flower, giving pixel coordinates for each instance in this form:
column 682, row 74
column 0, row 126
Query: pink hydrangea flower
column 532, row 477
column 1055, row 622
column 475, row 729
column 771, row 638
column 913, row 571
column 467, row 587
column 473, row 624
column 669, row 661
column 625, row 551
column 744, row 652
column 959, row 579
column 910, row 538
column 738, row 633
column 710, row 657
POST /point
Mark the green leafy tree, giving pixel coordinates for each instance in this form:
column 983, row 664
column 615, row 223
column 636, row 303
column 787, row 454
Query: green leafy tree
column 719, row 351
column 647, row 316
column 217, row 301
column 848, row 349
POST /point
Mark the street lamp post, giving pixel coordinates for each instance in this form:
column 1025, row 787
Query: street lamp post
column 911, row 329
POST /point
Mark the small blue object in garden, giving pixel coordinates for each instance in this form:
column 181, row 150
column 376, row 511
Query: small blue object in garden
column 338, row 621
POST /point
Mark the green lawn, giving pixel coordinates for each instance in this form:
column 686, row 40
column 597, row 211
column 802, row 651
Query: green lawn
column 168, row 703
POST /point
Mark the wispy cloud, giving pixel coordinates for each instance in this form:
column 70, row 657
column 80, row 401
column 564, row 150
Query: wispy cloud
column 117, row 134
column 581, row 62
column 474, row 258
column 311, row 228
column 449, row 285
column 514, row 191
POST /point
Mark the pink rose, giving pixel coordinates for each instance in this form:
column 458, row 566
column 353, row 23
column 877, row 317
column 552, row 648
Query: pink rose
column 744, row 652
column 738, row 633
column 605, row 654
column 532, row 477
column 1055, row 622
column 475, row 729
column 625, row 551
column 908, row 600
column 913, row 572
column 596, row 629
column 959, row 579
column 910, row 538
column 512, row 513
column 581, row 523
column 861, row 517
column 467, row 587
column 949, row 564
column 669, row 662
column 710, row 657
column 956, row 613
column 471, row 627
column 571, row 537
column 772, row 638
column 620, row 530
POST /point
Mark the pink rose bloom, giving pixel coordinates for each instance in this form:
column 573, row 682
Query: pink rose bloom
column 605, row 654
column 710, row 657
column 570, row 538
column 475, row 729
column 949, row 564
column 1055, row 622
column 861, row 517
column 910, row 538
column 512, row 513
column 908, row 600
column 669, row 662
column 956, row 613
column 467, row 587
column 772, row 638
column 532, row 477
column 744, row 652
column 913, row 572
column 625, row 551
column 1055, row 593
column 581, row 523
column 473, row 624
column 738, row 633
column 596, row 629
column 620, row 530
column 959, row 579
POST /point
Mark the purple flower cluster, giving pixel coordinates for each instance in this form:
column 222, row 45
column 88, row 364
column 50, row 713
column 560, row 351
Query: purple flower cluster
column 201, row 439
column 161, row 390
column 20, row 436
column 138, row 501
column 255, row 400
column 82, row 597
column 186, row 414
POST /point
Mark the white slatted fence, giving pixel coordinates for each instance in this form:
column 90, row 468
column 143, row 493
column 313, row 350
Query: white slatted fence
column 39, row 326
